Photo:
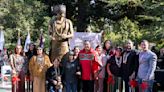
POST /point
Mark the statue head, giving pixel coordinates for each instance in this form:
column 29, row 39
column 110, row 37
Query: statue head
column 59, row 10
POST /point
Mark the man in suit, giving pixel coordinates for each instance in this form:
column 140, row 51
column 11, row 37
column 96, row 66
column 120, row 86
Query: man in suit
column 147, row 66
column 129, row 65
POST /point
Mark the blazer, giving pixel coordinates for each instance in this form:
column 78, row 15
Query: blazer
column 131, row 65
column 147, row 65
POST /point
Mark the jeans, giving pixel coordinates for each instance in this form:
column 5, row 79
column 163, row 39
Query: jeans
column 79, row 85
column 149, row 88
column 100, row 84
column 71, row 87
column 52, row 89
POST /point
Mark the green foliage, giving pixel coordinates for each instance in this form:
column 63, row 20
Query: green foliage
column 23, row 15
column 119, row 19
column 135, row 20
column 127, row 29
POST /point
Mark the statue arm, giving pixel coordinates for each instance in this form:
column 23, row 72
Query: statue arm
column 50, row 28
column 71, row 29
column 70, row 32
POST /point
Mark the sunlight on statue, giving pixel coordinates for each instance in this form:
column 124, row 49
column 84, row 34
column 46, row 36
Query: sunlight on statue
column 60, row 31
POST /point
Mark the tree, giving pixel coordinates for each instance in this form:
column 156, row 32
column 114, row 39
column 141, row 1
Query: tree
column 119, row 19
column 23, row 15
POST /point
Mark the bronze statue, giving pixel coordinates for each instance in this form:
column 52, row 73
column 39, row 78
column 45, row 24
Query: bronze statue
column 60, row 30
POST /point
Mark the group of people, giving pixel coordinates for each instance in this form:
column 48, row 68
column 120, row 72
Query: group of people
column 103, row 69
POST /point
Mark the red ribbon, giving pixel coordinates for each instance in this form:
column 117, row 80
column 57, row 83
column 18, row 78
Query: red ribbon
column 110, row 80
column 28, row 78
column 15, row 79
column 144, row 86
column 133, row 83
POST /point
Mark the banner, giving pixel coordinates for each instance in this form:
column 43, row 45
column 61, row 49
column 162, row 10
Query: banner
column 27, row 42
column 19, row 41
column 80, row 37
column 41, row 43
column 2, row 40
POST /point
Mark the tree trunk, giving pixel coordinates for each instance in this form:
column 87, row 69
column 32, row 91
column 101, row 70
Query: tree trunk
column 83, row 15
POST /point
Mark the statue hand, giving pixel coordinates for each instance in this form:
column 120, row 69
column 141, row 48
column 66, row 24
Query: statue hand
column 64, row 36
column 52, row 38
column 55, row 82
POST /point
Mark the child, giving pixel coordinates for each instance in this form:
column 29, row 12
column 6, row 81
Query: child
column 53, row 77
column 70, row 72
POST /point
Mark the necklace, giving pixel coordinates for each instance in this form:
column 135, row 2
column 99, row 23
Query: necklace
column 60, row 22
column 125, row 57
column 40, row 61
column 118, row 61
column 60, row 29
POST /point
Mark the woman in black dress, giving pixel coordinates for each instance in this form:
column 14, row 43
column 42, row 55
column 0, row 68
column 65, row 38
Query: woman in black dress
column 114, row 71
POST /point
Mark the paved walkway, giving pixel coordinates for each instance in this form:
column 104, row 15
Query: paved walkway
column 4, row 90
column 6, row 87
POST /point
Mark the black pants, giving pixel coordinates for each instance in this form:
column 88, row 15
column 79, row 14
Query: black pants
column 79, row 85
column 105, row 85
column 126, row 80
column 88, row 85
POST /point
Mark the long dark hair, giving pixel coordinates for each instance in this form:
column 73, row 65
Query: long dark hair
column 104, row 47
column 34, row 50
column 29, row 54
column 75, row 48
column 98, row 46
column 21, row 53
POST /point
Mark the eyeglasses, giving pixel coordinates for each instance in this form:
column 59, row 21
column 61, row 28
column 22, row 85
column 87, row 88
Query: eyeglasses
column 18, row 48
column 39, row 49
